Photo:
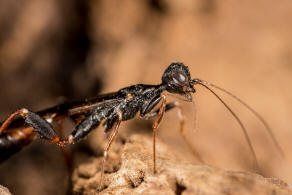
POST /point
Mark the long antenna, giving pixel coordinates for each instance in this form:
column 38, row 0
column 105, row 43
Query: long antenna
column 267, row 127
column 196, row 81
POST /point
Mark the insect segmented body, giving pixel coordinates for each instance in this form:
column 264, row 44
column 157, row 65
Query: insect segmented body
column 111, row 109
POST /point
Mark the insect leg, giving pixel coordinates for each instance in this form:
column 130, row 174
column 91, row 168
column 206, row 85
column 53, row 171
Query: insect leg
column 107, row 148
column 87, row 125
column 150, row 105
column 9, row 119
column 39, row 124
column 168, row 107
column 67, row 152
column 183, row 133
column 181, row 117
column 13, row 141
column 155, row 126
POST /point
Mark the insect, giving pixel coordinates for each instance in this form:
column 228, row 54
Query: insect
column 23, row 126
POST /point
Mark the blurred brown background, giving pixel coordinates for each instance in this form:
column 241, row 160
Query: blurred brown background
column 51, row 51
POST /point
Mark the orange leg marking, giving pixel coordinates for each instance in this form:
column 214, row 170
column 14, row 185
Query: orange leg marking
column 107, row 148
column 157, row 121
column 11, row 117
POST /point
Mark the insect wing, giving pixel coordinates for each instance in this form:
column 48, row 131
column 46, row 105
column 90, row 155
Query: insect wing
column 79, row 107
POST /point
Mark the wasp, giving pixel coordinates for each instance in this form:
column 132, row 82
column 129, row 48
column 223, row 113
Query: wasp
column 23, row 126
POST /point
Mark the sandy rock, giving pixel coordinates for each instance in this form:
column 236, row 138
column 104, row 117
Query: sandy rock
column 129, row 170
column 4, row 191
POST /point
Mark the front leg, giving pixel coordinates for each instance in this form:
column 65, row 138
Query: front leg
column 157, row 121
column 149, row 106
column 168, row 106
column 181, row 118
column 145, row 112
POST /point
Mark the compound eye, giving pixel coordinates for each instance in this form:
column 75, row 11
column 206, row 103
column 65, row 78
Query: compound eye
column 180, row 79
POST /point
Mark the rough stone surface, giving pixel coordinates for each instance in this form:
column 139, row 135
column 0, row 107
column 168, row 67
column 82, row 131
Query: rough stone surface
column 4, row 191
column 129, row 170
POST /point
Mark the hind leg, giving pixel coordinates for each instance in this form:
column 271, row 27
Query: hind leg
column 38, row 123
column 11, row 118
column 46, row 131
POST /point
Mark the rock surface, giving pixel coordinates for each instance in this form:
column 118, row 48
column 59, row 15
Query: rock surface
column 129, row 170
column 4, row 191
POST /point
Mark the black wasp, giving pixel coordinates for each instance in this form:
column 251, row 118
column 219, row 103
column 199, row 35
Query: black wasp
column 112, row 109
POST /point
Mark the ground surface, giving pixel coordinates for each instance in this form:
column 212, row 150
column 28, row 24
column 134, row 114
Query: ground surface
column 4, row 191
column 129, row 171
